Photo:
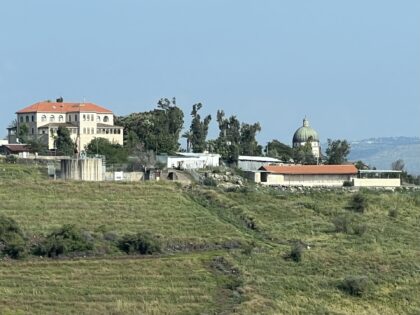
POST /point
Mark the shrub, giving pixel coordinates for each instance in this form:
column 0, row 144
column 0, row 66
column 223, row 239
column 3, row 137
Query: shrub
column 347, row 183
column 354, row 285
column 360, row 229
column 140, row 243
column 393, row 213
column 296, row 252
column 209, row 181
column 11, row 159
column 359, row 203
column 65, row 240
column 342, row 224
column 12, row 239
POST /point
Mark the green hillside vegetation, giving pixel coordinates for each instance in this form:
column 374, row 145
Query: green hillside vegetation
column 251, row 251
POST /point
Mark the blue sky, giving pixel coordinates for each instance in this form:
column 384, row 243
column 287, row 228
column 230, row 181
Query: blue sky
column 352, row 67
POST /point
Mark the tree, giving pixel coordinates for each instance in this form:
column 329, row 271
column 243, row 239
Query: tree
column 63, row 142
column 235, row 138
column 304, row 155
column 196, row 137
column 38, row 146
column 23, row 133
column 157, row 130
column 398, row 165
column 337, row 151
column 248, row 141
column 114, row 153
column 279, row 150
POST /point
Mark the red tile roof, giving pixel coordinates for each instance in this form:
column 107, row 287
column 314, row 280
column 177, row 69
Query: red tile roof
column 312, row 169
column 53, row 107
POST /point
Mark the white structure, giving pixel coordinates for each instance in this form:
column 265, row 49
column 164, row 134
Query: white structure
column 189, row 161
column 306, row 134
column 378, row 178
column 211, row 159
column 252, row 163
column 306, row 175
column 85, row 121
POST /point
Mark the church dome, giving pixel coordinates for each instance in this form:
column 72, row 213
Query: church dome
column 304, row 133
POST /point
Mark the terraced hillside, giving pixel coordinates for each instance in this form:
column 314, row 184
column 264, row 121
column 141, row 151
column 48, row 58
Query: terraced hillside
column 248, row 252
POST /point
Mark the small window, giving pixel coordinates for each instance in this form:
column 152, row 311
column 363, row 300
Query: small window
column 27, row 118
column 21, row 119
column 69, row 118
column 98, row 118
column 43, row 131
column 33, row 118
column 75, row 117
column 92, row 117
column 44, row 118
column 106, row 119
column 84, row 117
column 52, row 118
column 84, row 130
column 60, row 118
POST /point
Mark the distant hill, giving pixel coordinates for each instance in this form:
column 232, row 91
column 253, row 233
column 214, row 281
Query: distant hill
column 381, row 152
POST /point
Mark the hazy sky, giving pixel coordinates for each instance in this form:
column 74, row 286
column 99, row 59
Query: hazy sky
column 351, row 66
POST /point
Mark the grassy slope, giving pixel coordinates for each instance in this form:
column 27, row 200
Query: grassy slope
column 388, row 253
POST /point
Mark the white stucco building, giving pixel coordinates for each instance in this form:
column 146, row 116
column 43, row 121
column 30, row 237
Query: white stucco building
column 85, row 121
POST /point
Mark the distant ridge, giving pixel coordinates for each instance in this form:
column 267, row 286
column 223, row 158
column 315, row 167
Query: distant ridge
column 381, row 152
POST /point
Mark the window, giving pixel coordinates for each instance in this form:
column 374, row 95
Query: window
column 52, row 118
column 84, row 117
column 75, row 117
column 93, row 131
column 43, row 131
column 88, row 130
column 21, row 119
column 33, row 118
column 98, row 118
column 92, row 117
column 44, row 118
column 27, row 118
column 33, row 131
column 106, row 119
column 60, row 118
column 84, row 130
column 69, row 118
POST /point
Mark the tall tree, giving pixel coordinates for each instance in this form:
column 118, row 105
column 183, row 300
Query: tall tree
column 248, row 142
column 198, row 130
column 279, row 150
column 337, row 151
column 23, row 133
column 398, row 165
column 63, row 141
column 304, row 155
column 157, row 130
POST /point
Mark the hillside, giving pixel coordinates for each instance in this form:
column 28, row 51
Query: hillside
column 223, row 252
column 381, row 152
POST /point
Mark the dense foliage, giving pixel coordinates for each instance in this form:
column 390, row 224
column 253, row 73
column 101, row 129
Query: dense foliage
column 158, row 130
column 337, row 151
column 63, row 142
column 196, row 136
column 114, row 153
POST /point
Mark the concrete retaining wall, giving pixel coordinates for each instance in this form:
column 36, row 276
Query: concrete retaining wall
column 82, row 169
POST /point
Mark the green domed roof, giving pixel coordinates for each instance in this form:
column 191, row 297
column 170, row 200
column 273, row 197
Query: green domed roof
column 304, row 133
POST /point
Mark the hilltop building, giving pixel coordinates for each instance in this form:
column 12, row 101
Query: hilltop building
column 305, row 134
column 85, row 121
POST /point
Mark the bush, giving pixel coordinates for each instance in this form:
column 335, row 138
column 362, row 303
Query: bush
column 354, row 285
column 393, row 213
column 11, row 159
column 140, row 243
column 359, row 203
column 296, row 252
column 360, row 229
column 65, row 240
column 209, row 181
column 342, row 224
column 12, row 239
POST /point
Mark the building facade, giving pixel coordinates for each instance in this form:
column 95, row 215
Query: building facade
column 85, row 122
column 306, row 134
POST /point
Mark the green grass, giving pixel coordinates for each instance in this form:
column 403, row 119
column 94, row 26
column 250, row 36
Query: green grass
column 172, row 285
column 258, row 279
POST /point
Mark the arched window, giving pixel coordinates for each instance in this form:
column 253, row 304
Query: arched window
column 27, row 118
column 52, row 118
column 21, row 119
column 98, row 118
column 60, row 118
column 44, row 118
column 84, row 117
column 106, row 119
